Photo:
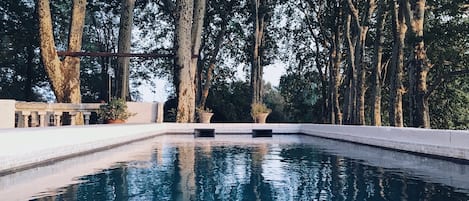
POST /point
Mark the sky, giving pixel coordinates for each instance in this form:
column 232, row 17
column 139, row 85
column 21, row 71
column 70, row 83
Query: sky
column 272, row 74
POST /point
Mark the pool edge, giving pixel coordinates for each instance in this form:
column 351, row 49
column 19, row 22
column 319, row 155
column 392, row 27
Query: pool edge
column 49, row 145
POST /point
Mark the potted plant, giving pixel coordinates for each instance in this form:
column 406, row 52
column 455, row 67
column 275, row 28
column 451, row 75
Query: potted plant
column 115, row 111
column 259, row 112
column 204, row 115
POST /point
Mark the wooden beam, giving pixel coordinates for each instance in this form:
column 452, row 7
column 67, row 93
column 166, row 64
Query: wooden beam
column 111, row 54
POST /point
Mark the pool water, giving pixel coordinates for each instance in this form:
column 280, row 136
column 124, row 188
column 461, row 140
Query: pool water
column 285, row 167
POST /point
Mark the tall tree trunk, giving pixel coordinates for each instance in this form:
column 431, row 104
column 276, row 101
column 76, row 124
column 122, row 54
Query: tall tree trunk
column 320, row 41
column 189, row 29
column 362, row 27
column 397, row 66
column 336, row 59
column 197, row 27
column 124, row 42
column 419, row 65
column 350, row 76
column 322, row 75
column 72, row 64
column 361, row 78
column 211, row 67
column 377, row 64
column 256, row 65
column 186, row 92
column 64, row 75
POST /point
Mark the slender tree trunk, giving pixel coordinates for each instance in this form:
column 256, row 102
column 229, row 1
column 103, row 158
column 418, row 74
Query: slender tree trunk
column 377, row 64
column 361, row 78
column 322, row 75
column 211, row 67
column 350, row 76
column 361, row 26
column 336, row 58
column 256, row 65
column 419, row 65
column 64, row 75
column 321, row 41
column 397, row 66
column 197, row 26
column 124, row 42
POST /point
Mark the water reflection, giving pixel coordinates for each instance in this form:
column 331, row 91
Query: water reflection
column 317, row 170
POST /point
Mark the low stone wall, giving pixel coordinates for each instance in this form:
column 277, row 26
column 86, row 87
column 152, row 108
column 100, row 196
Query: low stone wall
column 40, row 114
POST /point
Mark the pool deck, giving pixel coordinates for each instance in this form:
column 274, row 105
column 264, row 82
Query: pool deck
column 23, row 148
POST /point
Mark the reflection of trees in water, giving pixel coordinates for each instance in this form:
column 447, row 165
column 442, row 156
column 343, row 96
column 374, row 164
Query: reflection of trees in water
column 222, row 174
column 253, row 172
column 186, row 163
column 136, row 180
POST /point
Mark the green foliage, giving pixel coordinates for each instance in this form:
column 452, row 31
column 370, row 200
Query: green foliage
column 114, row 109
column 300, row 94
column 300, row 34
column 274, row 100
column 21, row 72
column 447, row 41
column 449, row 105
column 230, row 101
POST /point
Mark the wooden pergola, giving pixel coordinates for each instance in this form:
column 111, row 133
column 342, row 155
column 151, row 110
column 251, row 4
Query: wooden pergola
column 111, row 54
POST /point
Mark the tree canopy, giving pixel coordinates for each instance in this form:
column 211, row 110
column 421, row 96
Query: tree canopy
column 374, row 62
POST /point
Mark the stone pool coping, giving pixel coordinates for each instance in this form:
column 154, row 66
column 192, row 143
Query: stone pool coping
column 23, row 148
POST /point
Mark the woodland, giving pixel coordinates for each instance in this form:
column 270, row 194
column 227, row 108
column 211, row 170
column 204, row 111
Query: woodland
column 400, row 63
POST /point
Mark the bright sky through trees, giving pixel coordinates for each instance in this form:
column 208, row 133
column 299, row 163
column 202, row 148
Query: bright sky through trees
column 272, row 74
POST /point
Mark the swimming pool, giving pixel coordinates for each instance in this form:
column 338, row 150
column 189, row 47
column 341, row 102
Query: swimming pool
column 238, row 167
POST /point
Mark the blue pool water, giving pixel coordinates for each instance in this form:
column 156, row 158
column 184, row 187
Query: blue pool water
column 284, row 167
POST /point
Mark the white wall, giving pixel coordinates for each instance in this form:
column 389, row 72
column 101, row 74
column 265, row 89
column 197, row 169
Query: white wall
column 145, row 112
column 7, row 113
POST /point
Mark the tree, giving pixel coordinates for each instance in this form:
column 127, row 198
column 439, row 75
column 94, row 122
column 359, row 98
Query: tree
column 336, row 60
column 188, row 35
column 447, row 43
column 21, row 73
column 419, row 66
column 125, row 33
column 216, row 26
column 64, row 75
column 230, row 101
column 396, row 116
column 378, row 64
column 299, row 94
column 100, row 35
column 356, row 52
column 259, row 9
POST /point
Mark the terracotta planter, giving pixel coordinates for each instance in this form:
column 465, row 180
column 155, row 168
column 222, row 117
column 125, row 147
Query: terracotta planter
column 261, row 118
column 204, row 117
column 114, row 121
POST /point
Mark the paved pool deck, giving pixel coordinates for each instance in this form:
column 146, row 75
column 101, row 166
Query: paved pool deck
column 23, row 148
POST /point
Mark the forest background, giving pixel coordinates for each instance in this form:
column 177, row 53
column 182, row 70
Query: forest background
column 373, row 62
